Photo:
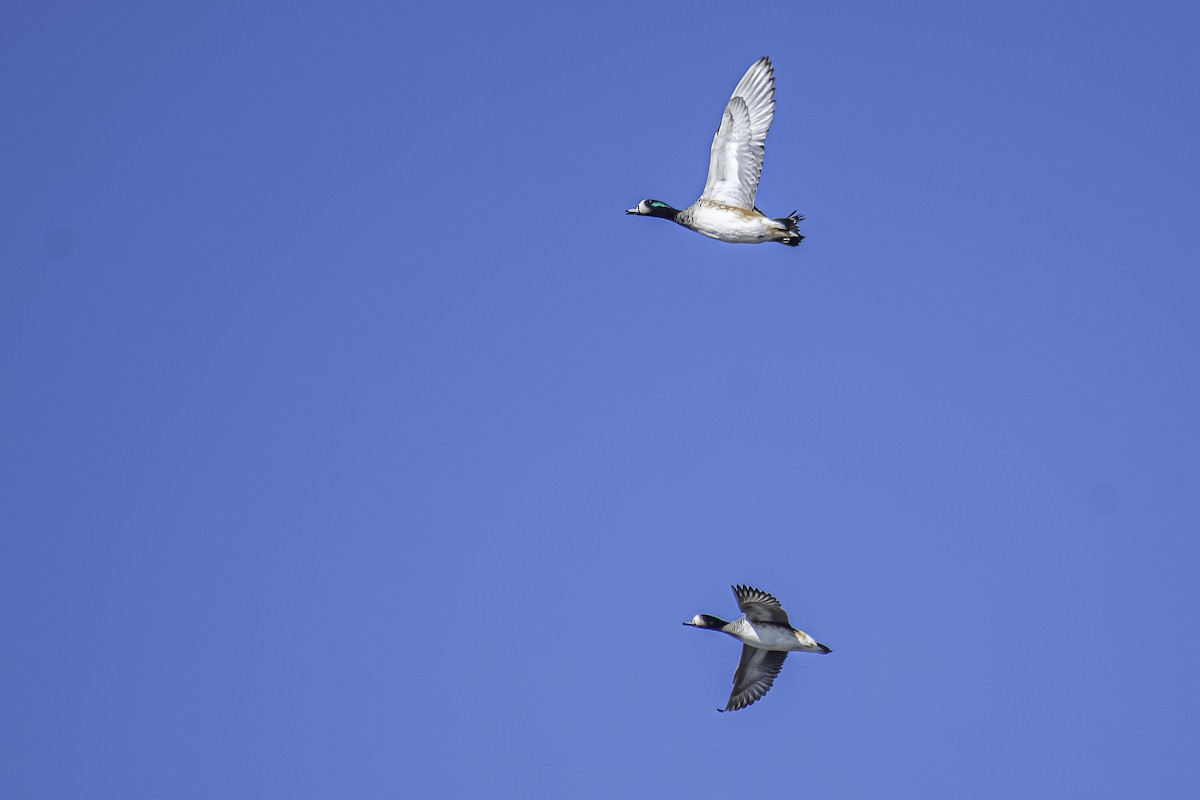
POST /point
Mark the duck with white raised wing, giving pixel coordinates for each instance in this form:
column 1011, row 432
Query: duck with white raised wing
column 726, row 209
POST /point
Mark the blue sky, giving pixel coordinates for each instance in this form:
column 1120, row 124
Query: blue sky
column 355, row 444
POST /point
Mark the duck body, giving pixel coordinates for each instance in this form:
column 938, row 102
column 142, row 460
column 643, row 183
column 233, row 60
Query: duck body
column 769, row 636
column 726, row 209
column 766, row 636
column 737, row 225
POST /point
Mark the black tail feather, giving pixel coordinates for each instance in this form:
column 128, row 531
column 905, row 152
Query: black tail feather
column 793, row 237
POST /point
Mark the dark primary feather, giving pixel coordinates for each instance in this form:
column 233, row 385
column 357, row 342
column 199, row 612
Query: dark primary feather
column 755, row 675
column 758, row 606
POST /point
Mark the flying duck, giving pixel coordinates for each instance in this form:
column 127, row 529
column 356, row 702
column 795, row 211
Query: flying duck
column 767, row 637
column 726, row 209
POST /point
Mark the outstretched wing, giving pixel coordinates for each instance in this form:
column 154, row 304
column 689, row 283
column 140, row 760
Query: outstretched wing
column 758, row 606
column 735, row 164
column 755, row 674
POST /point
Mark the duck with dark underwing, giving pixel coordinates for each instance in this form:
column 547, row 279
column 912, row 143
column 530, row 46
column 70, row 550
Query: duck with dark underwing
column 766, row 636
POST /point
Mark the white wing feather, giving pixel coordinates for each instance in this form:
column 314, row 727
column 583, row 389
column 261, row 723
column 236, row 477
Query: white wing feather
column 735, row 165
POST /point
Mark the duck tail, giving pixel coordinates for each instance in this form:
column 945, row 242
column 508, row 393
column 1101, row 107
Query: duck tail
column 791, row 235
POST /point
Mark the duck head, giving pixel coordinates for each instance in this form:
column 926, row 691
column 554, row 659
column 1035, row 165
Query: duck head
column 653, row 208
